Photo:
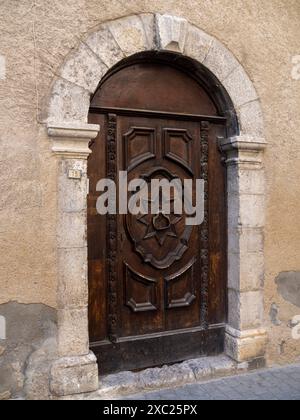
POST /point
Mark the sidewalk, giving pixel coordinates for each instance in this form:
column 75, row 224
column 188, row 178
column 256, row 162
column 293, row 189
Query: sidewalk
column 272, row 384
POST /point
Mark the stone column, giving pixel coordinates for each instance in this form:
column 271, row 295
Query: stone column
column 245, row 335
column 76, row 369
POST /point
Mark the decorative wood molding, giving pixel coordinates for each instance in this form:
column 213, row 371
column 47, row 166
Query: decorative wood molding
column 148, row 135
column 112, row 239
column 187, row 140
column 146, row 301
column 190, row 294
column 205, row 226
column 72, row 140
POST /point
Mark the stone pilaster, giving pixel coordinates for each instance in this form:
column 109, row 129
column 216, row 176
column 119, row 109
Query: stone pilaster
column 76, row 371
column 245, row 335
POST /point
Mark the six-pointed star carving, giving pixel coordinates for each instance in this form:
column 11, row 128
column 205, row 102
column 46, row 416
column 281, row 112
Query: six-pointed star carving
column 160, row 226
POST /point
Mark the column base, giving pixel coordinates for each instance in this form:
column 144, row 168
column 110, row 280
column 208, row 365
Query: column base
column 245, row 346
column 74, row 375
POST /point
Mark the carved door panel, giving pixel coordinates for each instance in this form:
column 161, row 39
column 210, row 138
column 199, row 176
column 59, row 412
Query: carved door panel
column 157, row 285
column 159, row 259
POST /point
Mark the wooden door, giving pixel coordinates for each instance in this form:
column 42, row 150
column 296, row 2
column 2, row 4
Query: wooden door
column 157, row 285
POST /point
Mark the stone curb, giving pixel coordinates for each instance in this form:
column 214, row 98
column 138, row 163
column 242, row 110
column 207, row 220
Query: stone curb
column 189, row 372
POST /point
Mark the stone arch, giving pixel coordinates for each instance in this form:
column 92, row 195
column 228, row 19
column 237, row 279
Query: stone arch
column 112, row 42
column 76, row 369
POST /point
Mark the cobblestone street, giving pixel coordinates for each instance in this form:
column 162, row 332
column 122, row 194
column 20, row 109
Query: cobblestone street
column 271, row 384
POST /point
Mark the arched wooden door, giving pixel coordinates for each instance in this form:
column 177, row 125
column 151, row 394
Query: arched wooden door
column 157, row 286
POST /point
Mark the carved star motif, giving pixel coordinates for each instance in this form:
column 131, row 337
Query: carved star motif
column 160, row 226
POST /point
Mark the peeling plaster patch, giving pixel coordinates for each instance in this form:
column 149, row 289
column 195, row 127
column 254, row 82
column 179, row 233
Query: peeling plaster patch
column 274, row 312
column 28, row 327
column 2, row 67
column 288, row 285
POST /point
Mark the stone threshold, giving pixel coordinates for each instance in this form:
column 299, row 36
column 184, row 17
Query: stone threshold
column 124, row 384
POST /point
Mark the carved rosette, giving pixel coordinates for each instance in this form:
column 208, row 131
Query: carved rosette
column 112, row 231
column 205, row 226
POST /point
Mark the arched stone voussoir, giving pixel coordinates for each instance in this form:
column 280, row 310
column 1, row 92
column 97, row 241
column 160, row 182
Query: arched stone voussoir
column 220, row 61
column 84, row 68
column 134, row 34
column 104, row 45
column 240, row 88
column 251, row 119
column 68, row 103
column 198, row 44
column 171, row 32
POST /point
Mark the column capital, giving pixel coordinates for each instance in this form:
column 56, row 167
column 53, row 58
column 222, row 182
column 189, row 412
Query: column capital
column 243, row 149
column 71, row 140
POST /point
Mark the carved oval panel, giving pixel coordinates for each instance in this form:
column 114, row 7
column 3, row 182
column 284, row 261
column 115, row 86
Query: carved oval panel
column 160, row 239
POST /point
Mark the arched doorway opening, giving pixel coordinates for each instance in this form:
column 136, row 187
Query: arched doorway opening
column 157, row 287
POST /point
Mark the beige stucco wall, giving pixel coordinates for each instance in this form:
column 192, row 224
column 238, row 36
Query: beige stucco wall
column 35, row 38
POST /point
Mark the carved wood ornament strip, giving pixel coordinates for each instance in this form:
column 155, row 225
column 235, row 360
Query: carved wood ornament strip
column 205, row 226
column 112, row 232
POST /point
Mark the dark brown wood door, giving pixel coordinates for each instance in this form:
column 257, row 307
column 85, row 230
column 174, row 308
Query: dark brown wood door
column 157, row 285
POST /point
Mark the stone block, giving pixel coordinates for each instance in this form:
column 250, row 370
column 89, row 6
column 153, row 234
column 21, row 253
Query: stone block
column 246, row 309
column 252, row 272
column 240, row 87
column 200, row 367
column 130, row 35
column 197, row 44
column 120, row 383
column 246, row 348
column 246, row 211
column 246, row 181
column 105, row 46
column 222, row 366
column 248, row 114
column 73, row 337
column 74, row 375
column 246, row 274
column 220, row 61
column 171, row 32
column 73, row 278
column 72, row 193
column 68, row 102
column 252, row 210
column 167, row 376
column 72, row 230
column 84, row 69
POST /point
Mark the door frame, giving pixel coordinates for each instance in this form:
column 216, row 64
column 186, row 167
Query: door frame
column 75, row 370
